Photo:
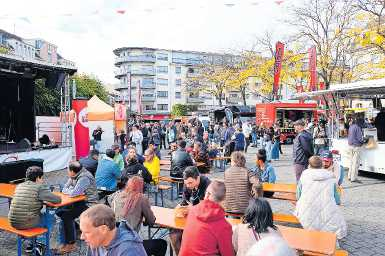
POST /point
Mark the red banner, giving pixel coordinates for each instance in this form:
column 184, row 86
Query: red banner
column 81, row 131
column 313, row 68
column 279, row 49
column 120, row 112
column 322, row 87
column 300, row 90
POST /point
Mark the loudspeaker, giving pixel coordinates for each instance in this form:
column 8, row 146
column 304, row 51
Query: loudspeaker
column 55, row 80
column 24, row 144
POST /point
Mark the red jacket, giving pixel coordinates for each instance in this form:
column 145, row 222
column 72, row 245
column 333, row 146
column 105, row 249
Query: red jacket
column 207, row 232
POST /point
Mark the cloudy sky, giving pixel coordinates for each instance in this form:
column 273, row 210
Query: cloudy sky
column 86, row 31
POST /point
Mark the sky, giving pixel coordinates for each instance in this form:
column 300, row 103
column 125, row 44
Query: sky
column 87, row 31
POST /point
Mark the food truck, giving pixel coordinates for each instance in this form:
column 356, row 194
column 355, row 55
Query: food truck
column 284, row 114
column 373, row 92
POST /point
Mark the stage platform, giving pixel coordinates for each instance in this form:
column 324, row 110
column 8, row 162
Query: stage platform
column 54, row 159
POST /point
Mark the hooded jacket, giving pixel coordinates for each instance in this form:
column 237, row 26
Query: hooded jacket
column 126, row 243
column 316, row 207
column 207, row 232
column 302, row 148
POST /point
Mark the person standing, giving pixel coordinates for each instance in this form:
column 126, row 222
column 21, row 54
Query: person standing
column 97, row 135
column 302, row 148
column 137, row 137
column 320, row 138
column 122, row 139
column 355, row 141
column 240, row 140
column 247, row 129
column 162, row 132
column 276, row 142
column 146, row 136
column 379, row 123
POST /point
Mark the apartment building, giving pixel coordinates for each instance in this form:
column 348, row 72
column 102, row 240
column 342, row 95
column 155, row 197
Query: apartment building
column 162, row 74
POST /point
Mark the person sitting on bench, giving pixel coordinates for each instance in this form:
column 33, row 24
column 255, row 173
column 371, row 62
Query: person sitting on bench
column 80, row 182
column 264, row 170
column 107, row 174
column 27, row 202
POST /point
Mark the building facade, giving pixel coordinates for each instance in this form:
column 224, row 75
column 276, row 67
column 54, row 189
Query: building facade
column 162, row 75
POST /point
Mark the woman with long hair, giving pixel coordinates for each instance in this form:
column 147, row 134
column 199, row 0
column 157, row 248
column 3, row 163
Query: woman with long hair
column 131, row 206
column 257, row 223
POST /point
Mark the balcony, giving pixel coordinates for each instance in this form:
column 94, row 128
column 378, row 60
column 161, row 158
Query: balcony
column 149, row 72
column 148, row 98
column 138, row 58
column 119, row 73
column 186, row 61
column 148, row 85
column 195, row 100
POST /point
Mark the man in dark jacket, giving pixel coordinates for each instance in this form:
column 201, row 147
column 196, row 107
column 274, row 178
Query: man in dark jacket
column 99, row 231
column 302, row 148
column 180, row 160
column 91, row 161
column 195, row 185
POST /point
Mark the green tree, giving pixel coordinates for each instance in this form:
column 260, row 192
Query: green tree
column 179, row 110
column 47, row 100
column 88, row 86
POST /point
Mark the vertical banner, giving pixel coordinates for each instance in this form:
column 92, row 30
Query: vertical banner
column 81, row 131
column 120, row 112
column 279, row 49
column 321, row 98
column 129, row 90
column 139, row 99
column 313, row 68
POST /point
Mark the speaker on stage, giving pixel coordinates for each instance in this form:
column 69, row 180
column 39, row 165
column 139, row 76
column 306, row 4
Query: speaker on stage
column 24, row 144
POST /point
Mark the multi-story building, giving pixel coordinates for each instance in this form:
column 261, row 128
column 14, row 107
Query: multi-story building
column 162, row 75
column 36, row 50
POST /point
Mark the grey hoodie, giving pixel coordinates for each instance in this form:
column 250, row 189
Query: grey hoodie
column 126, row 243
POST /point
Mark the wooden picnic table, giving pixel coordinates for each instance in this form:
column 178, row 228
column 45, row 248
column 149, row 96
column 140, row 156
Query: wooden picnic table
column 7, row 190
column 280, row 187
column 320, row 242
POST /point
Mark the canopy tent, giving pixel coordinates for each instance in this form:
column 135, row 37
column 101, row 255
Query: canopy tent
column 98, row 110
column 101, row 114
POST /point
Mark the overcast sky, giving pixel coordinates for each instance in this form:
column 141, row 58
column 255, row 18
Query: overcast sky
column 86, row 31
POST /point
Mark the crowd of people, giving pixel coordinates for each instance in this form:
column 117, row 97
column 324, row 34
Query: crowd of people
column 115, row 184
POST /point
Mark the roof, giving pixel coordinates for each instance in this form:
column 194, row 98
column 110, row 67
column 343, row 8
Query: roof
column 118, row 50
column 11, row 35
column 360, row 89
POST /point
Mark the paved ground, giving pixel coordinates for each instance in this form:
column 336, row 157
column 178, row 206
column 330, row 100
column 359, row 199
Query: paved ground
column 363, row 207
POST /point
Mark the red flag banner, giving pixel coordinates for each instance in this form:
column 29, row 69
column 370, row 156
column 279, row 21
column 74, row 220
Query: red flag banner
column 300, row 90
column 313, row 68
column 279, row 49
column 322, row 87
column 120, row 112
column 139, row 99
column 81, row 135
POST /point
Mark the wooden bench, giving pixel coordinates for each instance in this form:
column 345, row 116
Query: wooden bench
column 278, row 217
column 337, row 253
column 22, row 234
column 284, row 196
column 173, row 181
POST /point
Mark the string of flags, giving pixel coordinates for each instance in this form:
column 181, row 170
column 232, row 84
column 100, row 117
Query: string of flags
column 122, row 11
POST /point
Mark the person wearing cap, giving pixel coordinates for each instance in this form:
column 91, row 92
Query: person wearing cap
column 302, row 148
column 334, row 167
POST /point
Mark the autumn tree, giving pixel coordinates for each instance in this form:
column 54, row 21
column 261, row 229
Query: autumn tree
column 325, row 24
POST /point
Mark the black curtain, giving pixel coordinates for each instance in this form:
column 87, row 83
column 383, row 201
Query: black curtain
column 17, row 112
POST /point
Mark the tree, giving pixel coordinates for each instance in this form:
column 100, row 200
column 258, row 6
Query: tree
column 325, row 24
column 213, row 76
column 371, row 31
column 88, row 86
column 47, row 100
column 179, row 110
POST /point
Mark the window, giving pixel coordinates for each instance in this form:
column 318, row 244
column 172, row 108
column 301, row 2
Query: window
column 162, row 56
column 162, row 69
column 233, row 95
column 162, row 106
column 177, row 95
column 162, row 94
column 162, row 81
column 178, row 82
column 149, row 107
column 178, row 70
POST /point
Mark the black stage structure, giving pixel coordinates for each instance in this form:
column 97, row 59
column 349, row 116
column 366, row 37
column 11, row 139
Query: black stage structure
column 17, row 104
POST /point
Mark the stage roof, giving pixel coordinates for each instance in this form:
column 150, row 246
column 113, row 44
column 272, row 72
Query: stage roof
column 11, row 65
